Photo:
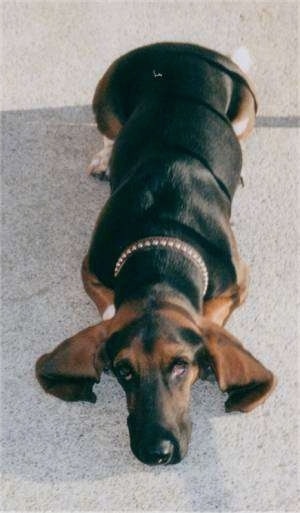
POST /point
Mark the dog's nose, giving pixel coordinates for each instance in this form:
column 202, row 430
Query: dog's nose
column 161, row 453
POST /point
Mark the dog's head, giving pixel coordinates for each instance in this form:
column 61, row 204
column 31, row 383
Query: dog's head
column 156, row 357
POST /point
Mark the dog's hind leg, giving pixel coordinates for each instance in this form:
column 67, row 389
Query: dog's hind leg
column 108, row 122
column 242, row 112
column 242, row 109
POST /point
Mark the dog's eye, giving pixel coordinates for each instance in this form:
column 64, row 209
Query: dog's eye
column 124, row 373
column 179, row 368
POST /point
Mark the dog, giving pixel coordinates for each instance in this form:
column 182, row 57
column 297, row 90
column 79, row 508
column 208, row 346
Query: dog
column 163, row 266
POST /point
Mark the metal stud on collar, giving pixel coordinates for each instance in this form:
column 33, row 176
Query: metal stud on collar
column 164, row 242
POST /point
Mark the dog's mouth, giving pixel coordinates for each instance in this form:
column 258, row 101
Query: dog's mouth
column 155, row 445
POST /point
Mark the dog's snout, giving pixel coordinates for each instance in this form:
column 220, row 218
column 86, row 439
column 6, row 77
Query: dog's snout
column 154, row 444
column 160, row 453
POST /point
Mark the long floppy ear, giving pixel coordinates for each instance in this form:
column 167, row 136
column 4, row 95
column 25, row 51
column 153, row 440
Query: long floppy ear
column 72, row 368
column 247, row 382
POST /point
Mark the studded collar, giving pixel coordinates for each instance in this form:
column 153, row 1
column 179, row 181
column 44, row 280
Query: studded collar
column 169, row 243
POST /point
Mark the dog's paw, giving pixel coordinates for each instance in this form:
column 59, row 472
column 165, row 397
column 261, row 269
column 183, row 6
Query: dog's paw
column 109, row 313
column 99, row 165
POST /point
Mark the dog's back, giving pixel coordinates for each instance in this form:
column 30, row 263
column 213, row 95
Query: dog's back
column 173, row 96
column 176, row 161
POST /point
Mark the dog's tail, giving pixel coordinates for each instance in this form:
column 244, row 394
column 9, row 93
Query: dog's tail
column 242, row 58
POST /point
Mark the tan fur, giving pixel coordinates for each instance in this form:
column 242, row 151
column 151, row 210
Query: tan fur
column 220, row 308
column 108, row 124
column 101, row 295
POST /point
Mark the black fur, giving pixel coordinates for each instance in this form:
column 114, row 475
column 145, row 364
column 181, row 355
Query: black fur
column 174, row 169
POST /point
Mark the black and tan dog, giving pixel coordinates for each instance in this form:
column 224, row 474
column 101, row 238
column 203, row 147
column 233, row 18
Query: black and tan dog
column 163, row 252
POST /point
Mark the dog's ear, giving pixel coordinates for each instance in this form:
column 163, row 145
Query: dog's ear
column 74, row 366
column 247, row 382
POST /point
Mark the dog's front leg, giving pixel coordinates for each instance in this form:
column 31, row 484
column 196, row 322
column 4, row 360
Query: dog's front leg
column 219, row 309
column 102, row 296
